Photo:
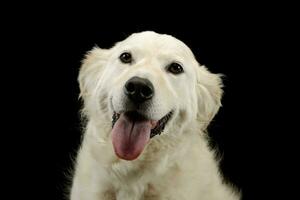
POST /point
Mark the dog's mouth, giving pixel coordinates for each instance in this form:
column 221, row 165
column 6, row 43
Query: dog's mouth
column 131, row 131
column 157, row 126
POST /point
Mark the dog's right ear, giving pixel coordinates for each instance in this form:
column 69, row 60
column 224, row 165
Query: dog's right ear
column 91, row 70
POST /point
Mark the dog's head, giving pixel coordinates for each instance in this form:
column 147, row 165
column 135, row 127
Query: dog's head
column 144, row 85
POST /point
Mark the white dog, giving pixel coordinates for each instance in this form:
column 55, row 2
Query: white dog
column 147, row 103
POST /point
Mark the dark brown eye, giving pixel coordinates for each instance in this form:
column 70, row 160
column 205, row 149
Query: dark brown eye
column 126, row 57
column 175, row 68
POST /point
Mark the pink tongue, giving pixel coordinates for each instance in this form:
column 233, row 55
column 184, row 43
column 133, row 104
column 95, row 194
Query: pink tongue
column 129, row 138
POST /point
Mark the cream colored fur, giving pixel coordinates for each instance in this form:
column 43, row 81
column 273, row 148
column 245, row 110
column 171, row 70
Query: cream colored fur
column 176, row 165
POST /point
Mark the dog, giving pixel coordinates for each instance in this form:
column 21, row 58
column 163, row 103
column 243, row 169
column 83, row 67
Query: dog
column 147, row 103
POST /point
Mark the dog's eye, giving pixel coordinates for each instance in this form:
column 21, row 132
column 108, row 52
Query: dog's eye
column 126, row 57
column 175, row 68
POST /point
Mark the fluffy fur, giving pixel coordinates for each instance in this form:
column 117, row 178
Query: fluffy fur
column 176, row 165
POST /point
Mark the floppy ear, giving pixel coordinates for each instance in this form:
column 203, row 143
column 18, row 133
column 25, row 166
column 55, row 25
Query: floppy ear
column 91, row 70
column 209, row 93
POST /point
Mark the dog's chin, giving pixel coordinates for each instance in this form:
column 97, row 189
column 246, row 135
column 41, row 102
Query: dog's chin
column 131, row 131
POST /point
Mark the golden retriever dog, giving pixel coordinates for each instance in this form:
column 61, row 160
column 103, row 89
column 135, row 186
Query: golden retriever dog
column 147, row 105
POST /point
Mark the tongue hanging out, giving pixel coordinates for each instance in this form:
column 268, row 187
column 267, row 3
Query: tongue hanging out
column 130, row 136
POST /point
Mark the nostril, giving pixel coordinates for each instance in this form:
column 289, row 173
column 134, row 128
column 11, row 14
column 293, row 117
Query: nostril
column 146, row 92
column 130, row 88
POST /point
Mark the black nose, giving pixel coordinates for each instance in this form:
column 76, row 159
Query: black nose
column 138, row 89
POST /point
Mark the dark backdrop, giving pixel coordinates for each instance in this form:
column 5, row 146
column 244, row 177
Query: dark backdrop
column 45, row 52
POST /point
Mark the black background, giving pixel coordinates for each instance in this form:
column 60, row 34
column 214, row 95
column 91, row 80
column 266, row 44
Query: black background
column 44, row 52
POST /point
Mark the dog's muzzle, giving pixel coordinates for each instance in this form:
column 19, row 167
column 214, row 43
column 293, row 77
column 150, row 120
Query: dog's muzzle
column 132, row 128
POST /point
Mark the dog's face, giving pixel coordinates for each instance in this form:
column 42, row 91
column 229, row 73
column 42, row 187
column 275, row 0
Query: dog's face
column 144, row 85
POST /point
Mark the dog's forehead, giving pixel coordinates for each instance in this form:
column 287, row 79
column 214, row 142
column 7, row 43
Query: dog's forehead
column 150, row 40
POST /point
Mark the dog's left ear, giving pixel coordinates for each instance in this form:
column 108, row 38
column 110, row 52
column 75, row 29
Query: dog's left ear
column 209, row 94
